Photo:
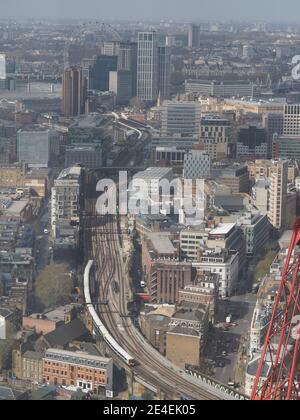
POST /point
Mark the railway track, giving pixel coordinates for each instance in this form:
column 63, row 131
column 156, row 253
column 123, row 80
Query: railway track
column 105, row 251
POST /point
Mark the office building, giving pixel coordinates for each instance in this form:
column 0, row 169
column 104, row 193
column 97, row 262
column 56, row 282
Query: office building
column 194, row 36
column 236, row 178
column 286, row 147
column 127, row 58
column 89, row 156
column 164, row 59
column 259, row 327
column 229, row 236
column 256, row 230
column 224, row 89
column 78, row 370
column 167, row 278
column 252, row 143
column 86, row 65
column 66, row 202
column 278, row 194
column 271, row 197
column 37, row 148
column 260, row 169
column 74, row 92
column 197, row 165
column 291, row 126
column 127, row 61
column 111, row 48
column 171, row 41
column 224, row 263
column 191, row 241
column 273, row 124
column 173, row 155
column 216, row 136
column 99, row 73
column 148, row 66
column 120, row 82
column 151, row 180
column 181, row 119
column 12, row 175
column 261, row 195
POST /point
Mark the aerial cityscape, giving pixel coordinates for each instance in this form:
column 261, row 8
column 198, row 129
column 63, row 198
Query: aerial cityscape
column 149, row 202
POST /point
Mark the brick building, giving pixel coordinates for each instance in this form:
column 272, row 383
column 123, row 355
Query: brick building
column 167, row 278
column 76, row 370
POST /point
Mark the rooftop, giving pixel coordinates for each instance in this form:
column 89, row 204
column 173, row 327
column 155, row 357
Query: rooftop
column 153, row 173
column 162, row 243
column 85, row 358
column 65, row 334
column 178, row 330
column 73, row 171
column 222, row 229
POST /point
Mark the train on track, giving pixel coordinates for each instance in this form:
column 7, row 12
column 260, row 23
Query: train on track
column 99, row 327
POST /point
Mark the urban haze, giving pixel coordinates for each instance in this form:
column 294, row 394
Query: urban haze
column 233, row 10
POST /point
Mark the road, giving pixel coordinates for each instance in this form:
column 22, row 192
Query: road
column 103, row 242
column 241, row 308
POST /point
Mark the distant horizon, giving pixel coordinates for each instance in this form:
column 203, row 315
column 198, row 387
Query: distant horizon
column 231, row 11
column 136, row 20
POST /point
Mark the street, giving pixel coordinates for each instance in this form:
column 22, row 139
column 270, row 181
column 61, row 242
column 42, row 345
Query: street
column 225, row 346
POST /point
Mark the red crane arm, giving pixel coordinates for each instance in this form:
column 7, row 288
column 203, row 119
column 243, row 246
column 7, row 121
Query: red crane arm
column 278, row 373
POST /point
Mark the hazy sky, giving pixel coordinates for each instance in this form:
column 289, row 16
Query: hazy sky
column 273, row 10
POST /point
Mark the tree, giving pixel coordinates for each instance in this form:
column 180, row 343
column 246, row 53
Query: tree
column 6, row 347
column 53, row 287
column 136, row 102
column 263, row 267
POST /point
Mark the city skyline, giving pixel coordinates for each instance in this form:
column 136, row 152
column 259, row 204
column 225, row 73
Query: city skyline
column 149, row 203
column 191, row 10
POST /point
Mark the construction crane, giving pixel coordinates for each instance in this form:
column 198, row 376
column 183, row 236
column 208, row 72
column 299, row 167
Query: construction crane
column 278, row 374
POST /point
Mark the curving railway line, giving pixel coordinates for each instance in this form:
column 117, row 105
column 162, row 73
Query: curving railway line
column 104, row 249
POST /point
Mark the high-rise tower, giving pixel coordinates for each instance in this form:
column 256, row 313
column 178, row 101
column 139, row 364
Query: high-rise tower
column 148, row 66
column 74, row 92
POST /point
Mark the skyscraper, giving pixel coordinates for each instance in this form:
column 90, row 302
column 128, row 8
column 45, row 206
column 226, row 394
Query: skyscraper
column 111, row 48
column 148, row 66
column 194, row 36
column 127, row 61
column 278, row 194
column 74, row 92
column 120, row 82
column 86, row 65
column 99, row 73
column 164, row 55
column 291, row 125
